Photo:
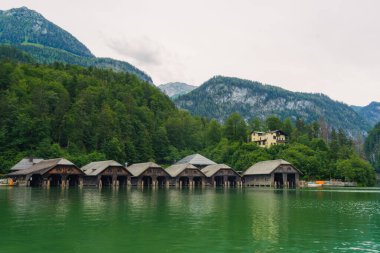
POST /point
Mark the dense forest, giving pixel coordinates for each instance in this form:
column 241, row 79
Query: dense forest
column 89, row 114
column 372, row 147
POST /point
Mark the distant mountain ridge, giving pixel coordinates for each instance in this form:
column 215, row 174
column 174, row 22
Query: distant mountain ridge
column 370, row 112
column 48, row 43
column 220, row 96
column 176, row 88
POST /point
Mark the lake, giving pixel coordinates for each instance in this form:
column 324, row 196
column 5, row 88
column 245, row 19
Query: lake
column 189, row 220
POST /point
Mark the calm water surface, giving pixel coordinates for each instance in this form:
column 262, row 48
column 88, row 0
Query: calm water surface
column 171, row 220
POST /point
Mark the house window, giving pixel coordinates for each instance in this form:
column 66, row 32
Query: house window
column 274, row 137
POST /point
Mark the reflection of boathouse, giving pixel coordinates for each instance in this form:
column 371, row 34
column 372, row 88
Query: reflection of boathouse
column 186, row 174
column 221, row 175
column 148, row 174
column 53, row 172
column 197, row 160
column 105, row 173
column 276, row 173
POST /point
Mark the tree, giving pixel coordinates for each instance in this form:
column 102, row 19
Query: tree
column 287, row 127
column 357, row 170
column 214, row 133
column 273, row 123
column 235, row 128
column 372, row 147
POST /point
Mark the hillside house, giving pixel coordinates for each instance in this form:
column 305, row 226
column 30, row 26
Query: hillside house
column 267, row 139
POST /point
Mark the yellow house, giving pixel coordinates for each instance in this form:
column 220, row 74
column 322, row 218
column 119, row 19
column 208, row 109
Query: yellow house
column 267, row 139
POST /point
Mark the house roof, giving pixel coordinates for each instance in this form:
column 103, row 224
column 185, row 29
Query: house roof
column 25, row 163
column 266, row 167
column 95, row 168
column 42, row 167
column 210, row 170
column 177, row 169
column 196, row 159
column 138, row 168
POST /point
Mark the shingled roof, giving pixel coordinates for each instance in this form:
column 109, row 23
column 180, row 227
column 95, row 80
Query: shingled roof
column 210, row 170
column 95, row 168
column 26, row 163
column 177, row 169
column 196, row 159
column 42, row 167
column 266, row 167
column 138, row 168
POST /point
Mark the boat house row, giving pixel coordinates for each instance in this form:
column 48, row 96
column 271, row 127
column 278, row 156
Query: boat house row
column 192, row 171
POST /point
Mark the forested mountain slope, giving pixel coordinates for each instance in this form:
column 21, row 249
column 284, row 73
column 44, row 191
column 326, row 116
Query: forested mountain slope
column 48, row 43
column 221, row 96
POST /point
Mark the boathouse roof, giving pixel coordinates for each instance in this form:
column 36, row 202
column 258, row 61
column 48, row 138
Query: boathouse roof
column 196, row 159
column 25, row 163
column 42, row 167
column 266, row 167
column 177, row 169
column 95, row 168
column 210, row 170
column 138, row 168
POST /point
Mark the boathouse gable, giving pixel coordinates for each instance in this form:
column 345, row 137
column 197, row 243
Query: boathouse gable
column 148, row 174
column 274, row 173
column 106, row 173
column 197, row 160
column 186, row 175
column 221, row 175
column 53, row 172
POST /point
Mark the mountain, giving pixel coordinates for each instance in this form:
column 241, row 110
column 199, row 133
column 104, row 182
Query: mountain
column 370, row 112
column 48, row 43
column 175, row 89
column 220, row 96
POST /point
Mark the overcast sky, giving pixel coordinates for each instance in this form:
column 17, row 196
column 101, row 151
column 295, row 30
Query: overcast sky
column 328, row 46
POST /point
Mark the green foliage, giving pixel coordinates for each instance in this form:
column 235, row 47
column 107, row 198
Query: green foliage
column 273, row 123
column 372, row 147
column 235, row 128
column 356, row 169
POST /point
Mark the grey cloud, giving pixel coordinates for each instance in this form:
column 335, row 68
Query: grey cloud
column 142, row 50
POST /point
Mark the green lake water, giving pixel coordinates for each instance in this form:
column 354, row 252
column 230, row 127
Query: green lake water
column 172, row 220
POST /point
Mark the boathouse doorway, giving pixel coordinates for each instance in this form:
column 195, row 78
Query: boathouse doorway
column 197, row 181
column 278, row 180
column 161, row 181
column 219, row 181
column 147, row 181
column 292, row 180
column 55, row 180
column 183, row 181
column 73, row 180
column 122, row 180
column 106, row 180
column 35, row 180
column 232, row 181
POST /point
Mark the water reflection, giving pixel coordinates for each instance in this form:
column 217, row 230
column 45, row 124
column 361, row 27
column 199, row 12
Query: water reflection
column 188, row 220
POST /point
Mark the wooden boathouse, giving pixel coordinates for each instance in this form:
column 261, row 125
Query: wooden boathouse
column 221, row 175
column 274, row 173
column 148, row 174
column 197, row 160
column 53, row 172
column 105, row 173
column 186, row 175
